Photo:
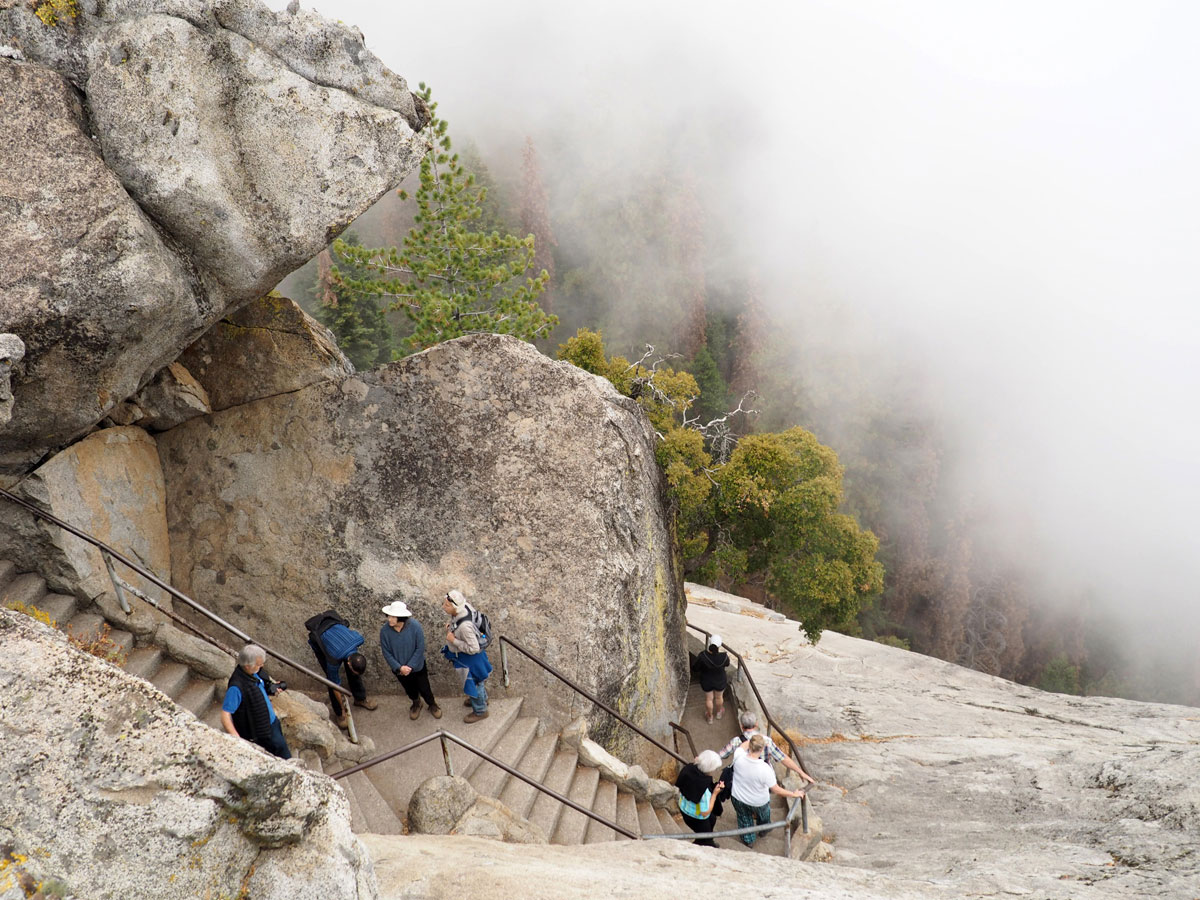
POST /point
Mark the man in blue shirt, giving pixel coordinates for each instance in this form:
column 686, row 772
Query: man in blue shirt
column 247, row 711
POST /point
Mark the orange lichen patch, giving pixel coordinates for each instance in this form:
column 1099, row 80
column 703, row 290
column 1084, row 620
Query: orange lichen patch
column 838, row 738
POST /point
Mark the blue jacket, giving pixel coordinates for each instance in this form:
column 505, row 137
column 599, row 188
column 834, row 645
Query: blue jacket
column 403, row 648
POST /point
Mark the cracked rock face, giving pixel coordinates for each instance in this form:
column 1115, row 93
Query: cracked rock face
column 478, row 464
column 12, row 351
column 113, row 790
column 166, row 162
column 975, row 786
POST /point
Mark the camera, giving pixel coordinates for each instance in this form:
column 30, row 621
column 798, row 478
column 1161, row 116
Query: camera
column 275, row 687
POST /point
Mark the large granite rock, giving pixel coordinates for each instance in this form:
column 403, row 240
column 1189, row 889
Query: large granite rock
column 109, row 485
column 207, row 149
column 982, row 787
column 89, row 284
column 270, row 346
column 115, row 792
column 479, row 464
column 448, row 804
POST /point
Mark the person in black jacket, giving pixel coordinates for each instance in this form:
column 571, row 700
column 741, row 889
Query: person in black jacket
column 246, row 711
column 710, row 664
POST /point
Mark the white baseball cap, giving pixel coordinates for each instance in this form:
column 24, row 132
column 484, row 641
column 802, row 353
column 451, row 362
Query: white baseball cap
column 715, row 641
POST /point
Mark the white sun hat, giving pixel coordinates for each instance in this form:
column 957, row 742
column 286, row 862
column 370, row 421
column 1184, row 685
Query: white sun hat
column 398, row 609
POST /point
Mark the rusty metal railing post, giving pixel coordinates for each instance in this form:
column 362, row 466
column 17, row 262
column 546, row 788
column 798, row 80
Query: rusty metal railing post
column 446, row 757
column 504, row 662
column 116, row 583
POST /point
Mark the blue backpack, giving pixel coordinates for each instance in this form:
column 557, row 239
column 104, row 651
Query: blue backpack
column 340, row 641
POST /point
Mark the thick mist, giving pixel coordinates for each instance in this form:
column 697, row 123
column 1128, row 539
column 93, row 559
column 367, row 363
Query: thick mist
column 988, row 212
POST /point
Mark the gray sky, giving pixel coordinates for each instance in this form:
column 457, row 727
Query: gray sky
column 1002, row 196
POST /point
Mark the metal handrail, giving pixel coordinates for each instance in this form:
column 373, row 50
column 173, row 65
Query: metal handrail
column 678, row 730
column 766, row 713
column 178, row 595
column 737, row 832
column 444, row 736
column 579, row 690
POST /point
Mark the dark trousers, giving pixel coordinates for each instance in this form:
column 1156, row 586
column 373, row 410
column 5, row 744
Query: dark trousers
column 331, row 669
column 274, row 742
column 702, row 826
column 416, row 684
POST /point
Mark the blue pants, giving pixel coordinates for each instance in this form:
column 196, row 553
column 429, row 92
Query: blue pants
column 479, row 702
column 274, row 742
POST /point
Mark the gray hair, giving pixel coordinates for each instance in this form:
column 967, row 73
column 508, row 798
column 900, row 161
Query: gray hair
column 251, row 654
column 709, row 762
column 747, row 719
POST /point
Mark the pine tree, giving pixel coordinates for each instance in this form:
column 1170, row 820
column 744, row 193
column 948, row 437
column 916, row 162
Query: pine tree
column 450, row 278
column 356, row 320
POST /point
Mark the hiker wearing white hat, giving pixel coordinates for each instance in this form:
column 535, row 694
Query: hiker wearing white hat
column 710, row 665
column 402, row 641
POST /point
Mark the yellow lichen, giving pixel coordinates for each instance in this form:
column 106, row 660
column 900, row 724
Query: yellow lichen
column 52, row 12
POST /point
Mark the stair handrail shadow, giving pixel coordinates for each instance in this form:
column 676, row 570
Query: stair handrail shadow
column 445, row 736
column 119, row 586
column 745, row 670
column 507, row 641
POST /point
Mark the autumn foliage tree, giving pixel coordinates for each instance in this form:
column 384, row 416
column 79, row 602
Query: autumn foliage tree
column 768, row 510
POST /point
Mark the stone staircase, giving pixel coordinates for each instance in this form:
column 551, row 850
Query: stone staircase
column 379, row 795
column 186, row 687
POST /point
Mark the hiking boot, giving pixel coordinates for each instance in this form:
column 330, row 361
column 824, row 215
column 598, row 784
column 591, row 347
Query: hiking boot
column 467, row 702
column 368, row 703
column 436, row 710
column 475, row 717
column 415, row 711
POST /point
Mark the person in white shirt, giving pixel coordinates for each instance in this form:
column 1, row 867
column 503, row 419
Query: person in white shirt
column 753, row 784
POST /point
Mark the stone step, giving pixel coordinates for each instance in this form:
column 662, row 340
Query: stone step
column 546, row 810
column 571, row 824
column 627, row 814
column 484, row 735
column 390, row 727
column 604, row 805
column 8, row 571
column 59, row 607
column 668, row 823
column 489, row 780
column 84, row 626
column 378, row 815
column 212, row 716
column 171, row 678
column 197, row 695
column 358, row 822
column 144, row 662
column 647, row 819
column 27, row 589
column 519, row 796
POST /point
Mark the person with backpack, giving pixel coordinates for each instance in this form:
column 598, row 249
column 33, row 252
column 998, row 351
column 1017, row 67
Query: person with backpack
column 334, row 643
column 467, row 635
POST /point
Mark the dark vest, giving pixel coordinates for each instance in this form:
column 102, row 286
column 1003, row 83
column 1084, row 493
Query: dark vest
column 252, row 718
